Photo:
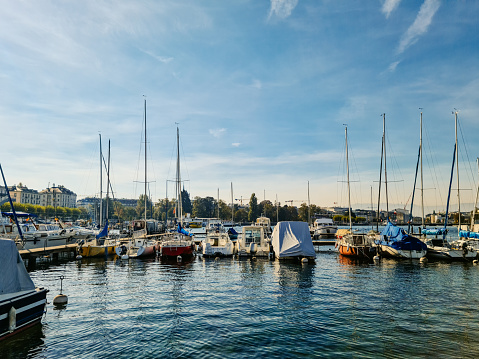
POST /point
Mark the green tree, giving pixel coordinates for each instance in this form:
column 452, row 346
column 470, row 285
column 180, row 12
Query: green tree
column 204, row 207
column 186, row 202
column 241, row 216
column 140, row 207
column 253, row 208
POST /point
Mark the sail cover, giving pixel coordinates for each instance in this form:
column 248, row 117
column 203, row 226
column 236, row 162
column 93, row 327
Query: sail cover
column 15, row 277
column 468, row 234
column 183, row 231
column 434, row 231
column 104, row 232
column 292, row 239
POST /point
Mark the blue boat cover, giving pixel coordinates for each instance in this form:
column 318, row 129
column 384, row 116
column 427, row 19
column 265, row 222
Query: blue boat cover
column 181, row 230
column 434, row 231
column 232, row 231
column 397, row 238
column 468, row 234
column 104, row 232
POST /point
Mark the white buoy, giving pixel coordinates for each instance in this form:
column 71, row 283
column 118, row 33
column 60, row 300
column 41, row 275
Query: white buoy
column 79, row 256
column 304, row 260
column 475, row 262
column 253, row 258
column 376, row 259
column 179, row 258
column 124, row 256
column 61, row 299
column 423, row 260
column 217, row 258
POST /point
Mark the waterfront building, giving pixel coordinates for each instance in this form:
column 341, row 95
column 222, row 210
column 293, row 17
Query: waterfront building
column 58, row 196
column 21, row 194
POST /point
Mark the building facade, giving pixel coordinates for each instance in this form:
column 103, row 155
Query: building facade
column 58, row 196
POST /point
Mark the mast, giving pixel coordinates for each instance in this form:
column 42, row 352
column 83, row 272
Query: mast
column 107, row 182
column 145, row 167
column 179, row 204
column 457, row 172
column 11, row 206
column 218, row 203
column 232, row 207
column 101, row 186
column 380, row 178
column 422, row 183
column 347, row 174
column 385, row 170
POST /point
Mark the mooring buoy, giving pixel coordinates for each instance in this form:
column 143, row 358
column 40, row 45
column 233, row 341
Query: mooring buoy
column 423, row 260
column 61, row 299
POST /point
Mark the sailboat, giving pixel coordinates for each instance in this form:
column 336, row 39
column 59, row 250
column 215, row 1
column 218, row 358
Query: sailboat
column 394, row 241
column 177, row 245
column 356, row 245
column 440, row 248
column 101, row 244
column 139, row 244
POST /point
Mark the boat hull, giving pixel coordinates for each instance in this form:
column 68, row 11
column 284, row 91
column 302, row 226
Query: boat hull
column 29, row 309
column 388, row 251
column 173, row 250
column 96, row 251
column 356, row 251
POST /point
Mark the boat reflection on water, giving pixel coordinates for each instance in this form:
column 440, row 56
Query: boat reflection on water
column 25, row 344
column 354, row 261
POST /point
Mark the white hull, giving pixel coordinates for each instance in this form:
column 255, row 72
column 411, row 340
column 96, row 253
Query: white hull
column 395, row 253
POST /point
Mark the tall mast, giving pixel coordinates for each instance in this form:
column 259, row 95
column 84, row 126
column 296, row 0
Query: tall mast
column 422, row 183
column 101, row 186
column 347, row 174
column 457, row 172
column 380, row 180
column 179, row 204
column 232, row 207
column 218, row 203
column 385, row 170
column 145, row 168
column 107, row 182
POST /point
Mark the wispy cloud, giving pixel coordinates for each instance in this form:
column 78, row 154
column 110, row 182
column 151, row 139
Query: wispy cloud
column 389, row 6
column 217, row 132
column 257, row 84
column 393, row 66
column 420, row 25
column 163, row 59
column 282, row 8
column 236, row 144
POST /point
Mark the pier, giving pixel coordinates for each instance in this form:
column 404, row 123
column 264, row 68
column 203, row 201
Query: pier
column 31, row 255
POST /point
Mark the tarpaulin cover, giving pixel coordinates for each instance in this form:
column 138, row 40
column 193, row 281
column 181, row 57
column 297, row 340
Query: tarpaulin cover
column 292, row 239
column 14, row 276
column 468, row 234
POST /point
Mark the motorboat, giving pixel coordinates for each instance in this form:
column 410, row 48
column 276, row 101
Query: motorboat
column 254, row 241
column 323, row 229
column 217, row 244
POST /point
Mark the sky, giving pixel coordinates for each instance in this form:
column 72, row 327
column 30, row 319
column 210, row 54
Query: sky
column 260, row 90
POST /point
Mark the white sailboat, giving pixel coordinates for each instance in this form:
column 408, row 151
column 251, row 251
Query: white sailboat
column 139, row 245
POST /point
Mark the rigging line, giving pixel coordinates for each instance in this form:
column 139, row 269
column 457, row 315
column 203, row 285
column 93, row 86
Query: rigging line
column 430, row 158
column 467, row 156
column 392, row 156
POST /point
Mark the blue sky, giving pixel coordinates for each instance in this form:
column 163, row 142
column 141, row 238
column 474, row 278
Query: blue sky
column 260, row 89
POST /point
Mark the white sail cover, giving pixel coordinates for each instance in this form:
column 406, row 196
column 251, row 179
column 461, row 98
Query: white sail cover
column 292, row 239
column 14, row 276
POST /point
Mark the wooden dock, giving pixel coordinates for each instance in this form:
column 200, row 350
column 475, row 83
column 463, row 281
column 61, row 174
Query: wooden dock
column 31, row 255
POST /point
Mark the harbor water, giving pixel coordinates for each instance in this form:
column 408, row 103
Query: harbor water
column 232, row 308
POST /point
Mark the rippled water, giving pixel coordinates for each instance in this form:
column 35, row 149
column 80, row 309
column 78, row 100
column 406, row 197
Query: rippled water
column 243, row 309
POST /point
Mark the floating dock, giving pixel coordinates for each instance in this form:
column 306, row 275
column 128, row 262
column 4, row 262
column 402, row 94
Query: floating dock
column 31, row 255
